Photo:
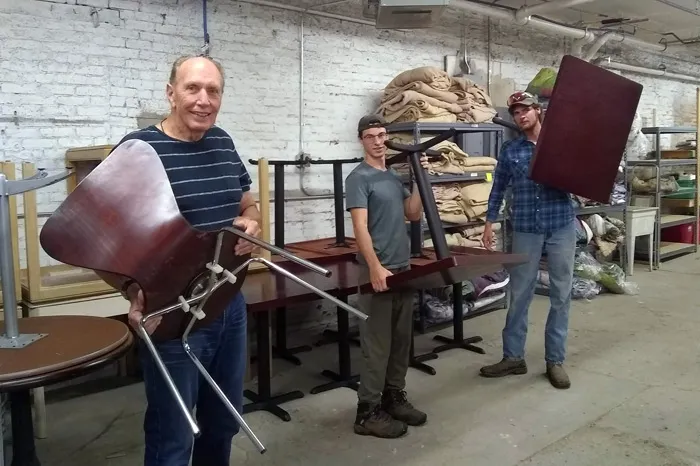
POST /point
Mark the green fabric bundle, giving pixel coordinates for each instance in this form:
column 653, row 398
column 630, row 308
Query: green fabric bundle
column 543, row 83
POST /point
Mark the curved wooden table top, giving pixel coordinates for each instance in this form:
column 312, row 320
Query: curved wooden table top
column 72, row 344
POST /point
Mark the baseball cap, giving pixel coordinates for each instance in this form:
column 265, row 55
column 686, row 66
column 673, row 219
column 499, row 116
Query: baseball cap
column 370, row 121
column 521, row 98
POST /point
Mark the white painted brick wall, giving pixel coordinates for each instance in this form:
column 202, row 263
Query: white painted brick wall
column 68, row 81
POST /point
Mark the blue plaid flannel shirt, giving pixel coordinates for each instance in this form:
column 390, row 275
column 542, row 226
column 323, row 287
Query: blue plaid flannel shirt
column 535, row 208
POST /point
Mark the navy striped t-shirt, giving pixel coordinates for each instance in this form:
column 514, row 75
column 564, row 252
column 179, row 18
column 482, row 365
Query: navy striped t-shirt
column 207, row 176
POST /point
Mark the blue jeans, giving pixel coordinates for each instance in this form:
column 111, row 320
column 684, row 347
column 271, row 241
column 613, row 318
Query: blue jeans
column 221, row 347
column 560, row 247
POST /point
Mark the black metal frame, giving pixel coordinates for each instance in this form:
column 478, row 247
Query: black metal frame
column 344, row 376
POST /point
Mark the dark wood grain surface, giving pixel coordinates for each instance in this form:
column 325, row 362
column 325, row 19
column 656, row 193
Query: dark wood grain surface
column 585, row 131
column 122, row 221
column 71, row 342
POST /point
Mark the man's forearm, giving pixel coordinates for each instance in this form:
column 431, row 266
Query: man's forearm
column 364, row 244
column 252, row 213
column 415, row 205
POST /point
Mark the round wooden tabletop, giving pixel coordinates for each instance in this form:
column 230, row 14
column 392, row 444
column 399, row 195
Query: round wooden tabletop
column 69, row 342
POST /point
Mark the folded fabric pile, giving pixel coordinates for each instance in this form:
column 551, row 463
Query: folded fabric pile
column 470, row 237
column 476, row 104
column 430, row 94
column 453, row 160
column 459, row 203
column 608, row 234
column 643, row 180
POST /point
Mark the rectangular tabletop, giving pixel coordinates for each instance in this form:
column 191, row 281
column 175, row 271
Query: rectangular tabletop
column 268, row 290
column 585, row 130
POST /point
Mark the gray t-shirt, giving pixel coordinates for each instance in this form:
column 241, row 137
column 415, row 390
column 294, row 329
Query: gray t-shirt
column 382, row 194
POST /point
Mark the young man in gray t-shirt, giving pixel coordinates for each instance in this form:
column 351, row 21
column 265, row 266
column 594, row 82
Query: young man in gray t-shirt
column 380, row 205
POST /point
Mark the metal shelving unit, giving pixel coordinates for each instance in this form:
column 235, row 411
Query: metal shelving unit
column 664, row 250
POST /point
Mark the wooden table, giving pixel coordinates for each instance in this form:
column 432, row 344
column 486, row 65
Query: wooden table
column 72, row 346
column 267, row 291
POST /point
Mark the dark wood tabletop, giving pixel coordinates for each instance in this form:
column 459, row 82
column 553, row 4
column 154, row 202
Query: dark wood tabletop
column 72, row 344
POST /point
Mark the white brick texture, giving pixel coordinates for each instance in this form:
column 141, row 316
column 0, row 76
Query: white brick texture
column 80, row 72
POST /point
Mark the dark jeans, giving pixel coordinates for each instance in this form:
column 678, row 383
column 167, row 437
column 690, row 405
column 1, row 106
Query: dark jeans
column 221, row 347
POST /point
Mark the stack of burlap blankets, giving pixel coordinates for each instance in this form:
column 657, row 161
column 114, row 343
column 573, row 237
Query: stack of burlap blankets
column 462, row 202
column 453, row 160
column 430, row 94
column 471, row 237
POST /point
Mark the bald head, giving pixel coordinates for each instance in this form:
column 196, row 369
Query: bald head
column 189, row 63
column 194, row 90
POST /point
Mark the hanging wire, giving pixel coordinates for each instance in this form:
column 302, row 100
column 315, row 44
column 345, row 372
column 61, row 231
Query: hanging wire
column 206, row 48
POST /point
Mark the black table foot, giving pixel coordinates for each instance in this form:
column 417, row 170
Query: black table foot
column 23, row 448
column 339, row 381
column 270, row 404
column 263, row 400
column 465, row 343
column 416, row 362
column 343, row 378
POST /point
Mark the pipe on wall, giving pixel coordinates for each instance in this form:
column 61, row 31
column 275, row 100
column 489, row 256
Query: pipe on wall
column 584, row 35
column 599, row 43
column 607, row 63
column 522, row 15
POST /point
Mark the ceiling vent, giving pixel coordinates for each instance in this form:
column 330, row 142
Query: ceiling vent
column 407, row 14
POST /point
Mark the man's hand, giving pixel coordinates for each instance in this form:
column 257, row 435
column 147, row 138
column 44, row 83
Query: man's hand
column 487, row 237
column 424, row 161
column 377, row 275
column 136, row 314
column 250, row 227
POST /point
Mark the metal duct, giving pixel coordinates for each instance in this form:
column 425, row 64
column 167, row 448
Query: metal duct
column 523, row 14
column 576, row 33
column 600, row 42
column 607, row 63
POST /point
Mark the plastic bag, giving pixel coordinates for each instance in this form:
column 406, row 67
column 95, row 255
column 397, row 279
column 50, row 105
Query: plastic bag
column 609, row 275
column 584, row 288
column 586, row 266
column 613, row 279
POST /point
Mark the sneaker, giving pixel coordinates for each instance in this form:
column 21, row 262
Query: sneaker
column 505, row 367
column 397, row 405
column 373, row 420
column 557, row 376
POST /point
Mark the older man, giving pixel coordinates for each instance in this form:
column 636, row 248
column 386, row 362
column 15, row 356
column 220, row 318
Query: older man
column 543, row 219
column 212, row 190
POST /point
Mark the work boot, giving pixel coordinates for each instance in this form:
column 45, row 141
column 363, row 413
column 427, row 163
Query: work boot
column 397, row 405
column 557, row 376
column 505, row 367
column 373, row 420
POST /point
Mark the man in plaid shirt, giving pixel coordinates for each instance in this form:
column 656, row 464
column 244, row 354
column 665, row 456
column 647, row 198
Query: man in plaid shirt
column 543, row 222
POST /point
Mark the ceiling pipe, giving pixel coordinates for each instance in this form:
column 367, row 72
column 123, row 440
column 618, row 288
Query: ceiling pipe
column 509, row 15
column 607, row 63
column 600, row 42
column 584, row 35
column 523, row 14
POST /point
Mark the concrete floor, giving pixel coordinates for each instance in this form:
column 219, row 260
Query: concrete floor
column 633, row 361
